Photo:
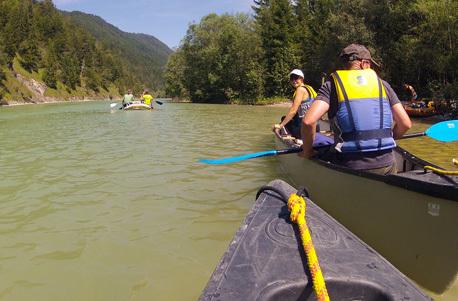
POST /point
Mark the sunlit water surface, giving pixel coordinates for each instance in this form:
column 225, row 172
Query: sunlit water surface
column 100, row 204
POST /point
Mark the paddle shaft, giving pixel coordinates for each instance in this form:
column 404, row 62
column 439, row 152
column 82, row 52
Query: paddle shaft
column 412, row 135
column 289, row 151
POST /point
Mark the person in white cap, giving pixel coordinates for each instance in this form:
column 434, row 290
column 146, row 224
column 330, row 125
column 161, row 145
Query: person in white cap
column 302, row 100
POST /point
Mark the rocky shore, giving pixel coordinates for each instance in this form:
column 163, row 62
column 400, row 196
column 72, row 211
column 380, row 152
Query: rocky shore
column 37, row 91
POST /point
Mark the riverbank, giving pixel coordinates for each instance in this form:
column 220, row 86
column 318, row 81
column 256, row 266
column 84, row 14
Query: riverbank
column 85, row 99
column 268, row 102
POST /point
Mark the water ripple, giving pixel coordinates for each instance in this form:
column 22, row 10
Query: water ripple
column 117, row 202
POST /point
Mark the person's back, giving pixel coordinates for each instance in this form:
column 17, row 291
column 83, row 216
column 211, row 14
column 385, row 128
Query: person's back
column 361, row 107
column 128, row 98
column 147, row 98
column 411, row 91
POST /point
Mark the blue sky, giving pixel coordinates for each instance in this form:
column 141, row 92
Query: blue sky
column 167, row 20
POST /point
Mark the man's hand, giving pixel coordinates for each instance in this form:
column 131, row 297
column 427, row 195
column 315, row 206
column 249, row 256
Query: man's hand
column 307, row 154
column 276, row 127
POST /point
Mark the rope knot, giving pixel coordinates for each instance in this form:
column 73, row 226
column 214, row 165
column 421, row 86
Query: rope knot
column 296, row 205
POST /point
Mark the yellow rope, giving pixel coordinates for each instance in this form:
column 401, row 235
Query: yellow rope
column 296, row 205
column 442, row 171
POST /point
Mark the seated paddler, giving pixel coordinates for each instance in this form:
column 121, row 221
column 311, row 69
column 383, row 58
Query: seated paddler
column 365, row 113
column 147, row 98
column 128, row 98
column 302, row 100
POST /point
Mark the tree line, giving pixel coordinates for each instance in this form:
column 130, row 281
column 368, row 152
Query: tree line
column 245, row 58
column 61, row 53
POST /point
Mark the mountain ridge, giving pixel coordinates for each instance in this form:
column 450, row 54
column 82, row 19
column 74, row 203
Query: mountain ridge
column 140, row 49
column 72, row 55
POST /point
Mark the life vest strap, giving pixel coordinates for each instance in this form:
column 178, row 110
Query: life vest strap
column 367, row 135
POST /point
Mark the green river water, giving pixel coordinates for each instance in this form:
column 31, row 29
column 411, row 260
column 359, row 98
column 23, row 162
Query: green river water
column 100, row 204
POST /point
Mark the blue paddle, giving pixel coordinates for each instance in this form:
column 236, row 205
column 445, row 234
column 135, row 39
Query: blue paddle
column 445, row 131
column 273, row 152
column 320, row 141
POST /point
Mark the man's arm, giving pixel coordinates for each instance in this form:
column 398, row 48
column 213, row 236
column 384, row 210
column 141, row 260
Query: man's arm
column 316, row 111
column 301, row 94
column 402, row 121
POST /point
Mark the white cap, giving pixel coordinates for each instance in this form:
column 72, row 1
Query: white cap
column 297, row 72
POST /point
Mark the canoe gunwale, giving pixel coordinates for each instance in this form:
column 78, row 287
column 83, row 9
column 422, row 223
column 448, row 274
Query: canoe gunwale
column 442, row 186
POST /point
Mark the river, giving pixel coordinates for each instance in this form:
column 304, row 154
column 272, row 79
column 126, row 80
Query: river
column 100, row 204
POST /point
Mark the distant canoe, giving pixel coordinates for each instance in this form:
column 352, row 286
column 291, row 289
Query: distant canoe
column 419, row 109
column 137, row 106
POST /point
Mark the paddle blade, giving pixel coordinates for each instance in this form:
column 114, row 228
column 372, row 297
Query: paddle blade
column 239, row 158
column 445, row 131
column 159, row 102
column 112, row 105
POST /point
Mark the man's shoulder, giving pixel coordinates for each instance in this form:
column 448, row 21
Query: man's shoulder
column 385, row 83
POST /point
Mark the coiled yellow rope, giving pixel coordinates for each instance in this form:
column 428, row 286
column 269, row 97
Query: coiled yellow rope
column 296, row 205
column 442, row 171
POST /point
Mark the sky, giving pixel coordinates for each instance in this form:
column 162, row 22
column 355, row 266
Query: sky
column 166, row 20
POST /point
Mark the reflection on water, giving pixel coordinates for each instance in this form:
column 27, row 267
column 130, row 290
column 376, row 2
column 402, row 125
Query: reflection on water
column 110, row 205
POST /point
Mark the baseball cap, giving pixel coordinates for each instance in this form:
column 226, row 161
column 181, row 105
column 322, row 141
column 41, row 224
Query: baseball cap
column 357, row 52
column 297, row 72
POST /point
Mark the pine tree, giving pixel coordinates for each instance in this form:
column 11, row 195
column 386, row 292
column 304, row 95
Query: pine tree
column 276, row 25
column 30, row 54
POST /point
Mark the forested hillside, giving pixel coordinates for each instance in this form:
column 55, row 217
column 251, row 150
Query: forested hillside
column 146, row 55
column 244, row 58
column 45, row 54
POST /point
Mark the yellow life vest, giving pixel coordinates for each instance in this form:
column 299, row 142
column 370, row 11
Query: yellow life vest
column 310, row 90
column 305, row 104
column 359, row 84
column 364, row 113
column 147, row 98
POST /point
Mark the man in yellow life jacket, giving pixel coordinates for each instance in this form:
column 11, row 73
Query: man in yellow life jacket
column 365, row 113
column 147, row 98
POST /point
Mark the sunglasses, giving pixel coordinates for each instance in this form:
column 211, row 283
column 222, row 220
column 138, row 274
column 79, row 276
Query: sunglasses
column 294, row 77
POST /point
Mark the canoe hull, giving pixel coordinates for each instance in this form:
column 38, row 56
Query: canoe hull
column 419, row 111
column 137, row 106
column 414, row 231
column 265, row 261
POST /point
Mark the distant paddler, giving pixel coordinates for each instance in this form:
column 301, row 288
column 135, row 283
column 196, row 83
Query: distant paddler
column 411, row 91
column 128, row 98
column 147, row 98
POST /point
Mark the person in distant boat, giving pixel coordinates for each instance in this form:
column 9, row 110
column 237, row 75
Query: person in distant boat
column 128, row 98
column 302, row 100
column 147, row 98
column 411, row 91
column 361, row 108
